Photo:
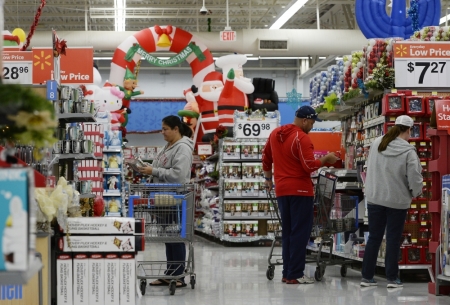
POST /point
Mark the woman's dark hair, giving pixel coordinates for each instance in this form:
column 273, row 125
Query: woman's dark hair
column 174, row 121
column 392, row 134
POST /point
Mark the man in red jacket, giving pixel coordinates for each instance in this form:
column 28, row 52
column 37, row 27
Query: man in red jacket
column 290, row 150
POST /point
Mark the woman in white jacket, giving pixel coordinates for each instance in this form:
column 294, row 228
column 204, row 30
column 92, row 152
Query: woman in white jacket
column 394, row 177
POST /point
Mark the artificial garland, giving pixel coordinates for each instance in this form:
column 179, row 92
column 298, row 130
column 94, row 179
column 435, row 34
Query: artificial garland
column 413, row 13
column 351, row 94
column 383, row 77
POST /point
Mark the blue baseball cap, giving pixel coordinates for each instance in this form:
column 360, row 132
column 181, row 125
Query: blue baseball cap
column 307, row 112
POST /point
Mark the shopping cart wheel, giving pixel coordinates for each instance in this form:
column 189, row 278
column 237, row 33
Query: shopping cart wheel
column 318, row 274
column 270, row 273
column 143, row 286
column 192, row 281
column 344, row 270
column 172, row 287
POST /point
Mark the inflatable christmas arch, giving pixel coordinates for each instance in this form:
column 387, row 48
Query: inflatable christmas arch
column 184, row 44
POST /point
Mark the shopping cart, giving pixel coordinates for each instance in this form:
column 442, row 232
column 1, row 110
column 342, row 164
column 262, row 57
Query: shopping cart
column 333, row 214
column 168, row 211
column 274, row 224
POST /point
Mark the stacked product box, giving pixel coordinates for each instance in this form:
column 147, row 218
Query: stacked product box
column 98, row 265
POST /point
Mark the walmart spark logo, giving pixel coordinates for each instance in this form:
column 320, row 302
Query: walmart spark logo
column 400, row 50
column 42, row 60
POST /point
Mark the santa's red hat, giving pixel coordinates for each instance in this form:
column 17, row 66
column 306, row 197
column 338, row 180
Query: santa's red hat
column 213, row 77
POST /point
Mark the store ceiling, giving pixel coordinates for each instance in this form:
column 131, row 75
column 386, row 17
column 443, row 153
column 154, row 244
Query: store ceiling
column 98, row 15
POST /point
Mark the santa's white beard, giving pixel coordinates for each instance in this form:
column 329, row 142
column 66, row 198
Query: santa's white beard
column 212, row 96
column 244, row 84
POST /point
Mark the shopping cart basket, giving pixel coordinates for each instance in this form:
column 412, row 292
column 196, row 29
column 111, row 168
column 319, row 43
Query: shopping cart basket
column 274, row 224
column 168, row 211
column 333, row 214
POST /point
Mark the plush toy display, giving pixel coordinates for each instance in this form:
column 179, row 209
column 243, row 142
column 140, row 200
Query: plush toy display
column 129, row 85
column 190, row 112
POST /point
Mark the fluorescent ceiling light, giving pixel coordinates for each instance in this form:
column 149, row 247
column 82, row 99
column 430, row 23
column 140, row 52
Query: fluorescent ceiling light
column 288, row 14
column 102, row 58
column 120, row 15
column 444, row 19
column 252, row 58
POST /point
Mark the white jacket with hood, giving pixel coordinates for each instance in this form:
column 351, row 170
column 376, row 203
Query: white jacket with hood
column 173, row 164
column 394, row 176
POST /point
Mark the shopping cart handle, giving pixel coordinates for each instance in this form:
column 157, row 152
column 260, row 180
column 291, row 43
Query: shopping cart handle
column 164, row 184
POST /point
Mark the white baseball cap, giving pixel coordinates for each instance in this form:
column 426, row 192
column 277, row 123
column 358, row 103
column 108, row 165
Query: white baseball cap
column 404, row 120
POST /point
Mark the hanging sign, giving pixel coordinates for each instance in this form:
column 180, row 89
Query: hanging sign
column 17, row 67
column 421, row 64
column 442, row 114
column 172, row 61
column 228, row 36
column 255, row 125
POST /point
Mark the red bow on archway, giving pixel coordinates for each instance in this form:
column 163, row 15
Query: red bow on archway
column 164, row 39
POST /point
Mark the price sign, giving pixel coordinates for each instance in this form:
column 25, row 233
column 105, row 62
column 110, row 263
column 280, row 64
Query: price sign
column 421, row 65
column 17, row 67
column 254, row 126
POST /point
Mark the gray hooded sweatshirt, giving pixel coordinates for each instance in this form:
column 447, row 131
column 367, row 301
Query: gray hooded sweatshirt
column 173, row 164
column 394, row 176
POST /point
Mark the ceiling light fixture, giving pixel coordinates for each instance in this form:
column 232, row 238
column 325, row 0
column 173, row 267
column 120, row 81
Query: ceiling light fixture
column 296, row 5
column 120, row 15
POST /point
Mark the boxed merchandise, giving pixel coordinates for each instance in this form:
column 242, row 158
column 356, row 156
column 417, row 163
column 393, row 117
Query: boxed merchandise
column 108, row 243
column 64, row 286
column 413, row 255
column 96, row 279
column 112, row 279
column 250, row 150
column 231, row 150
column 246, row 207
column 429, row 103
column 250, row 188
column 113, row 206
column 255, row 209
column 232, row 228
column 232, row 187
column 393, row 104
column 111, row 184
column 232, row 208
column 263, row 209
column 112, row 162
column 252, row 171
column 262, row 190
column 415, row 105
column 16, row 193
column 127, row 285
column 81, row 278
column 416, row 132
column 249, row 228
column 231, row 170
column 272, row 227
column 105, row 225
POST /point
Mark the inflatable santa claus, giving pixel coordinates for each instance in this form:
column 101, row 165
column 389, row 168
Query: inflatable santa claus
column 234, row 94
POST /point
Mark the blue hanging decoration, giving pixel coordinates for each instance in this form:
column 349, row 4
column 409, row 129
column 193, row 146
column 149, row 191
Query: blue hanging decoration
column 294, row 99
column 413, row 13
column 363, row 88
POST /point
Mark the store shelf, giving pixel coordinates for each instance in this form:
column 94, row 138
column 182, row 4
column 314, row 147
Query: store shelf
column 244, row 239
column 248, row 218
column 108, row 194
column 374, row 122
column 339, row 172
column 75, row 156
column 87, row 196
column 109, row 171
column 108, row 149
column 75, row 117
column 21, row 277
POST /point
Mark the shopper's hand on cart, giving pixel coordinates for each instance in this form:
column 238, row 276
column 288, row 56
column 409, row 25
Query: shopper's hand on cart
column 329, row 158
column 268, row 184
column 146, row 170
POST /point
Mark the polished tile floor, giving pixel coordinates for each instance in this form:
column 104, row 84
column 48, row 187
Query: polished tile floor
column 237, row 276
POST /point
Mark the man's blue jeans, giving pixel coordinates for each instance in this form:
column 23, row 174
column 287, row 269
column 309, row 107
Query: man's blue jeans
column 381, row 218
column 296, row 214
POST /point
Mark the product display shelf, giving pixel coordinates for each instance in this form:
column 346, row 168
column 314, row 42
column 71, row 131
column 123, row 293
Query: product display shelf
column 75, row 117
column 440, row 279
column 232, row 164
column 438, row 166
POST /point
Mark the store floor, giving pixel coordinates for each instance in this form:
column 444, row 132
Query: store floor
column 237, row 276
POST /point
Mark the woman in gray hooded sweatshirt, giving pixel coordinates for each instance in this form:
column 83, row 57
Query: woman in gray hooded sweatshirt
column 173, row 165
column 394, row 177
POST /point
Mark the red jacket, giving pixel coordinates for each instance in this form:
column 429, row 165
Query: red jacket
column 290, row 150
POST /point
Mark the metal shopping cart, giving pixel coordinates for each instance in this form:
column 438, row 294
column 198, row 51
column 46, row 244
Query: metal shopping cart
column 168, row 211
column 274, row 227
column 333, row 214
